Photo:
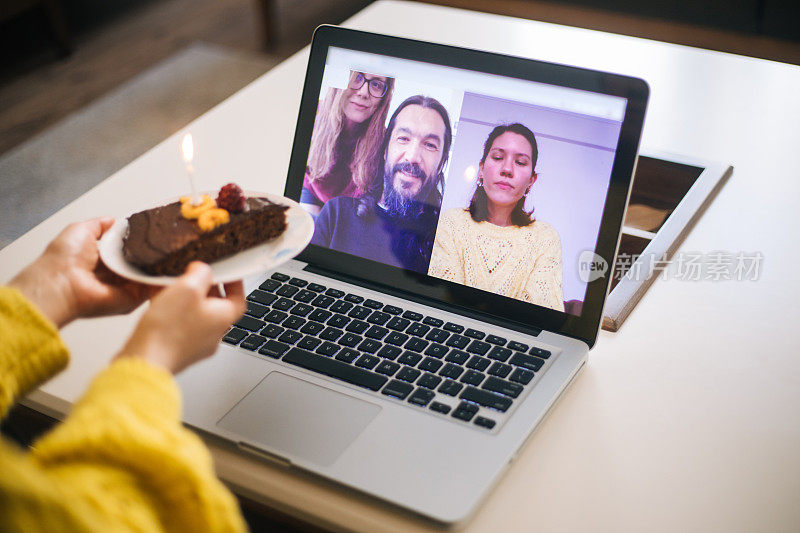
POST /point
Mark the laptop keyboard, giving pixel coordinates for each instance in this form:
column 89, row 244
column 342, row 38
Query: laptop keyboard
column 418, row 359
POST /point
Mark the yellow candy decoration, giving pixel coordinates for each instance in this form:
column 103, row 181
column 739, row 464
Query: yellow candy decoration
column 191, row 211
column 213, row 218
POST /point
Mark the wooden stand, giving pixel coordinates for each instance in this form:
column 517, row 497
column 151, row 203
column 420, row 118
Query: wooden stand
column 669, row 195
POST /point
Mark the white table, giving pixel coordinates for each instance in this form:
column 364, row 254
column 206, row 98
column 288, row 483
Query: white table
column 686, row 419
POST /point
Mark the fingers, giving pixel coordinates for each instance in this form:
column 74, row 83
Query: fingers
column 197, row 277
column 234, row 290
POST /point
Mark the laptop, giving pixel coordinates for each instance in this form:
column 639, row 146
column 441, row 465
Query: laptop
column 412, row 364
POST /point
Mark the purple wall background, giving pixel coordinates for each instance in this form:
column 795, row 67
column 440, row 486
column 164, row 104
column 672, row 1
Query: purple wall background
column 576, row 153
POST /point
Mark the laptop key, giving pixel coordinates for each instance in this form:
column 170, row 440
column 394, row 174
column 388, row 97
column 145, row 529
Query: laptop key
column 439, row 407
column 378, row 317
column 387, row 368
column 316, row 287
column 350, row 339
column 367, row 361
column 408, row 374
column 334, row 293
column 410, row 358
column 451, row 371
column 436, row 350
column 421, row 397
column 270, row 285
column 359, row 312
column 494, row 339
column 309, row 343
column 429, row 381
column 234, row 336
column 301, row 309
column 273, row 348
column 290, row 336
column 499, row 354
column 521, row 375
column 280, row 276
column 518, row 346
column 284, row 304
column 355, row 298
column 297, row 282
column 369, row 345
column 392, row 309
column 484, row 422
column 458, row 341
column 336, row 369
column 372, row 304
column 396, row 338
column 340, row 306
column 252, row 342
column 348, row 355
column 249, row 323
column 472, row 377
column 322, row 301
column 479, row 347
column 389, row 352
column 331, row 334
column 327, row 349
column 256, row 310
column 455, row 328
column 540, row 352
column 457, row 356
column 415, row 344
column 376, row 332
column 433, row 321
column 474, row 333
column 305, row 296
column 429, row 364
column 437, row 335
column 398, row 389
column 261, row 297
column 502, row 386
column 319, row 315
column 450, row 387
column 526, row 361
column 478, row 363
column 312, row 328
column 486, row 399
column 294, row 322
column 357, row 326
column 397, row 323
column 411, row 315
column 287, row 290
column 465, row 411
column 338, row 321
column 418, row 330
column 499, row 369
column 271, row 331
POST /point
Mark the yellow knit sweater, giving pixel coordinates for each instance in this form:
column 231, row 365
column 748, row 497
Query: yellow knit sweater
column 121, row 461
column 518, row 262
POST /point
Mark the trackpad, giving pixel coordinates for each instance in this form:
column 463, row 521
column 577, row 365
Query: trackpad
column 286, row 414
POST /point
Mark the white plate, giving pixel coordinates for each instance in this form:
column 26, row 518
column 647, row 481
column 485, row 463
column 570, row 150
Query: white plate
column 299, row 229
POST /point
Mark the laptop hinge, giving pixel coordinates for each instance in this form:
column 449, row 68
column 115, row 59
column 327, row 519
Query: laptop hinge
column 444, row 306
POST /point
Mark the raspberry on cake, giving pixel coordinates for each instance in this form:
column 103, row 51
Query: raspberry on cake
column 164, row 240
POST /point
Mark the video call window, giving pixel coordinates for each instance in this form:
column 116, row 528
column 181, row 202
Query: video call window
column 492, row 182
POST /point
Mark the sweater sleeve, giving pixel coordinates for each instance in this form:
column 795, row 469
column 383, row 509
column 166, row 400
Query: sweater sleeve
column 446, row 257
column 544, row 285
column 31, row 350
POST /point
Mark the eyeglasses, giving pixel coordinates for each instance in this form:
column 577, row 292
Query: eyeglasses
column 376, row 88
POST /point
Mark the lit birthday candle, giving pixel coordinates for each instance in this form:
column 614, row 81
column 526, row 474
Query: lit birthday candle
column 187, row 149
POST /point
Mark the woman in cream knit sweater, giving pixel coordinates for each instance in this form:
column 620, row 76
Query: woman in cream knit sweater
column 494, row 245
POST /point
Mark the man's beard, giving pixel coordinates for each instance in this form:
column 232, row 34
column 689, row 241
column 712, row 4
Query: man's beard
column 401, row 206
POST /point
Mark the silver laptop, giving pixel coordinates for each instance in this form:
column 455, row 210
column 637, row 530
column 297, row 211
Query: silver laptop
column 467, row 208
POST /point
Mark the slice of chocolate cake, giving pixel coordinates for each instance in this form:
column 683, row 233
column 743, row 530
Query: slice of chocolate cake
column 163, row 241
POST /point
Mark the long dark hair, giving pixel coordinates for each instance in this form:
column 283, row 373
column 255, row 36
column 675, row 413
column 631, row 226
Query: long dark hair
column 479, row 205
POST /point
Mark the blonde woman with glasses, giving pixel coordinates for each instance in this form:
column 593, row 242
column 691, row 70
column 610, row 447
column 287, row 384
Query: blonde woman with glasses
column 344, row 155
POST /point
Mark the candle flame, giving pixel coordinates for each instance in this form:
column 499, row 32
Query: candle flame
column 187, row 148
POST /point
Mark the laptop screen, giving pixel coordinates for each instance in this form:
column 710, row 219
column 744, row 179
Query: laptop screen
column 483, row 180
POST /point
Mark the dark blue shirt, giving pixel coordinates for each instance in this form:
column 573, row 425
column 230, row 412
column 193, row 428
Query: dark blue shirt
column 374, row 234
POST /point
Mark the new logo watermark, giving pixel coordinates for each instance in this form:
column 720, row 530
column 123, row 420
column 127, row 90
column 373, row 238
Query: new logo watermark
column 591, row 266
